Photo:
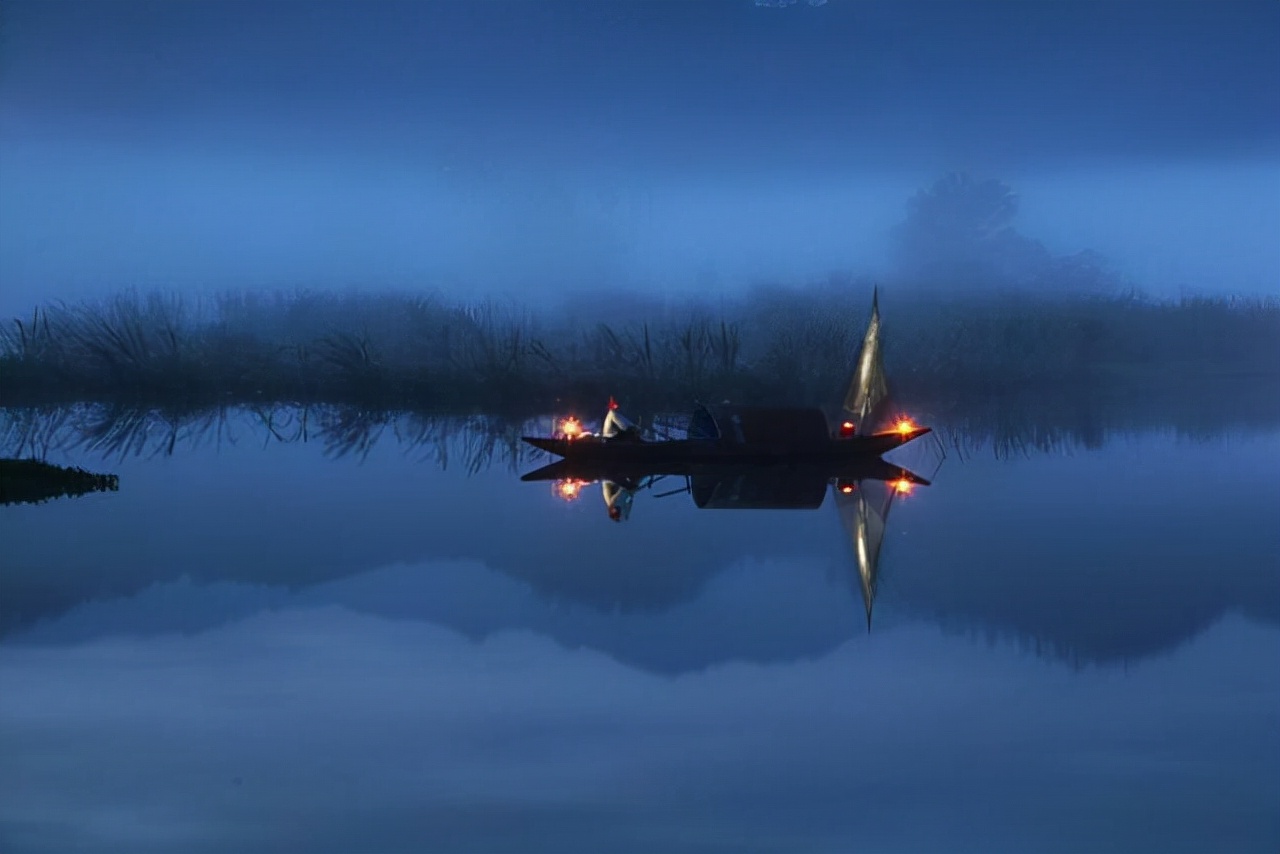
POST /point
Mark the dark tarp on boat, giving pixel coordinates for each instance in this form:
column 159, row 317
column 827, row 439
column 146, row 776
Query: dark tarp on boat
column 752, row 425
column 702, row 425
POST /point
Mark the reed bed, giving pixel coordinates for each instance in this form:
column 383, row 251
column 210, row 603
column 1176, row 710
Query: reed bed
column 777, row 345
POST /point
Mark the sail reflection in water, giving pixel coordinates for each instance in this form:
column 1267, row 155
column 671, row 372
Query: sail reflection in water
column 864, row 512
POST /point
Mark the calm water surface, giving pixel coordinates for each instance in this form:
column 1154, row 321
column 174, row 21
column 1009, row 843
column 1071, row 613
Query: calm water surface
column 258, row 647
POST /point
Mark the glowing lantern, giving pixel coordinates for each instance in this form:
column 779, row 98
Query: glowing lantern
column 847, row 429
column 847, row 488
column 904, row 426
column 903, row 486
column 569, row 489
column 571, row 427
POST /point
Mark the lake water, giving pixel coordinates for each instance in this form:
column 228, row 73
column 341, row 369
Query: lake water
column 257, row 645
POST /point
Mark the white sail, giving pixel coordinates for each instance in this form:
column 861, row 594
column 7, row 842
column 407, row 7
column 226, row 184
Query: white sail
column 868, row 395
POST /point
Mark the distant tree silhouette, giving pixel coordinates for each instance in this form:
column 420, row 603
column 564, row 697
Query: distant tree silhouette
column 960, row 231
column 960, row 206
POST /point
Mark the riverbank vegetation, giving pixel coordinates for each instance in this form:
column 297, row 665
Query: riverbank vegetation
column 792, row 345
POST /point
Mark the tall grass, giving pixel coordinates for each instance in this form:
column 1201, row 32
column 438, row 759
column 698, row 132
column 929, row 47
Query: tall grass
column 389, row 350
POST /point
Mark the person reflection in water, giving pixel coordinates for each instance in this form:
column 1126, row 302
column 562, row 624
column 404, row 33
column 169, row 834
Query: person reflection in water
column 618, row 499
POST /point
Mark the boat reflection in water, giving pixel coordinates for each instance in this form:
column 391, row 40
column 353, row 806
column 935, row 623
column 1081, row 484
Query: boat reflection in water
column 863, row 496
column 756, row 458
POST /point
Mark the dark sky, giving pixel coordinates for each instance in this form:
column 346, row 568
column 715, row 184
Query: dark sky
column 646, row 141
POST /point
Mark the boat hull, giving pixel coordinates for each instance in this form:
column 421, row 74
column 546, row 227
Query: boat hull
column 683, row 452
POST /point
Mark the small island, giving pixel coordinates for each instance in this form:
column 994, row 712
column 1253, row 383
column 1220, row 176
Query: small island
column 34, row 482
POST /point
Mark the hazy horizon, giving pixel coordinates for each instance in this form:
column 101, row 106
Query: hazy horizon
column 534, row 149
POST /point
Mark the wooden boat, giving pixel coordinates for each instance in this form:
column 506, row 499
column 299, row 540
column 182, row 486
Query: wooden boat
column 743, row 435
